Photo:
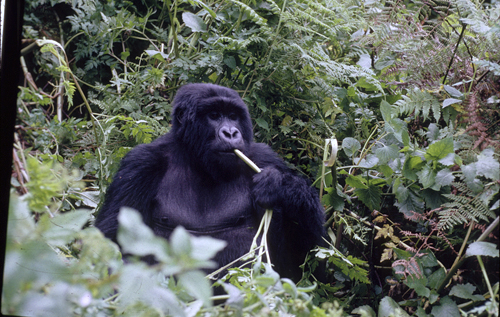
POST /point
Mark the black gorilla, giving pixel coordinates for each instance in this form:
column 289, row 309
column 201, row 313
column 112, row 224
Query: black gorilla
column 191, row 177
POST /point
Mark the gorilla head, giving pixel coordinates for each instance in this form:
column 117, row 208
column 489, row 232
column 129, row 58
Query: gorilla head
column 211, row 121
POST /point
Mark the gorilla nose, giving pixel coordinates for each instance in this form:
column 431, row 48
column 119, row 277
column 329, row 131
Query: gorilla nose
column 231, row 135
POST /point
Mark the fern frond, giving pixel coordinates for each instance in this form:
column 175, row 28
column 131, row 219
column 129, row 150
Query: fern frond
column 419, row 102
column 463, row 208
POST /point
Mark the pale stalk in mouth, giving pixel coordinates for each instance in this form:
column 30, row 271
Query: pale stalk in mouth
column 266, row 219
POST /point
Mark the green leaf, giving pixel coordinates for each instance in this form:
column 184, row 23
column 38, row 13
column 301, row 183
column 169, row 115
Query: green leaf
column 432, row 132
column 439, row 149
column 262, row 123
column 364, row 311
column 421, row 312
column 63, row 228
column 157, row 55
column 356, row 181
column 387, row 153
column 427, row 176
column 334, row 199
column 465, row 291
column 386, row 110
column 138, row 284
column 205, row 248
column 418, row 284
column 180, row 241
column 487, row 165
column 443, row 178
column 21, row 223
column 386, row 170
column 482, row 248
column 350, row 146
column 194, row 22
column 236, row 299
column 408, row 201
column 428, row 259
column 365, row 83
column 491, row 66
column 450, row 101
column 204, row 6
column 370, row 196
column 446, row 308
column 385, row 61
column 388, row 307
column 398, row 127
column 453, row 91
column 138, row 239
column 436, row 278
column 365, row 61
column 230, row 62
column 434, row 199
column 449, row 159
column 411, row 166
column 370, row 161
column 289, row 287
column 197, row 285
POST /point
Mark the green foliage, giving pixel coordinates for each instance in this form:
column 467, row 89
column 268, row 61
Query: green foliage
column 410, row 90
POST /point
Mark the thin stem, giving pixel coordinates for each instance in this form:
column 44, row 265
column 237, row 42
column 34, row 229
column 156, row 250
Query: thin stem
column 454, row 52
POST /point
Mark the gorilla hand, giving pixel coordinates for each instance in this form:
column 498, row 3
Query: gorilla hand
column 267, row 187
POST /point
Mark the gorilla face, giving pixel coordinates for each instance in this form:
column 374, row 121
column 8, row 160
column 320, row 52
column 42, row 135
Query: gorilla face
column 212, row 121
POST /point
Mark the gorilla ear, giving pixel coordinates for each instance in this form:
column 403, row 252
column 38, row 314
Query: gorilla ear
column 179, row 116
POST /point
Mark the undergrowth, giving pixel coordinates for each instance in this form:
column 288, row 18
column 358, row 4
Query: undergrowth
column 389, row 108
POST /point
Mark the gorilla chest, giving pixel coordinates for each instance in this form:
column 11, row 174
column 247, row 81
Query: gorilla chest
column 202, row 206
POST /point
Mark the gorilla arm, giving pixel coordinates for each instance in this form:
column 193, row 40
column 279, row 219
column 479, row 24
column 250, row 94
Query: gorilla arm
column 134, row 185
column 298, row 217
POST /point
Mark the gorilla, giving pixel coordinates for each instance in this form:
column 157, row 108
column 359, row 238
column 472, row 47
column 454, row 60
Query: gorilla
column 191, row 177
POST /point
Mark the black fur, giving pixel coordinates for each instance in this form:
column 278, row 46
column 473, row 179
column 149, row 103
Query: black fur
column 191, row 177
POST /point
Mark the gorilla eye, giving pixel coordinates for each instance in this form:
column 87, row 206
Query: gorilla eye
column 214, row 115
column 233, row 116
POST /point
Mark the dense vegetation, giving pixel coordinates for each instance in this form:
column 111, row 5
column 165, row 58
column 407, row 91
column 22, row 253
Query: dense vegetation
column 390, row 108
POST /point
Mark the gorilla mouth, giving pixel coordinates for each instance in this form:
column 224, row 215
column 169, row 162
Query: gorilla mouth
column 227, row 152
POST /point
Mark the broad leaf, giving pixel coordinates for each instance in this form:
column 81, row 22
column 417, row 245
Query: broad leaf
column 180, row 241
column 427, row 176
column 388, row 307
column 453, row 91
column 443, row 178
column 194, row 22
column 411, row 166
column 370, row 196
column 369, row 161
column 436, row 278
column 386, row 110
column 205, row 248
column 465, row 291
column 387, row 153
column 356, row 181
column 262, row 123
column 446, row 308
column 62, row 228
column 138, row 284
column 432, row 132
column 482, row 248
column 487, row 165
column 450, row 101
column 350, row 146
column 439, row 149
column 408, row 201
column 449, row 160
column 197, row 285
column 418, row 284
column 138, row 239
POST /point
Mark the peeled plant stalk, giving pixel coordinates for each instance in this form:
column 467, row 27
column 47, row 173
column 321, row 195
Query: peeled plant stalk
column 266, row 219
